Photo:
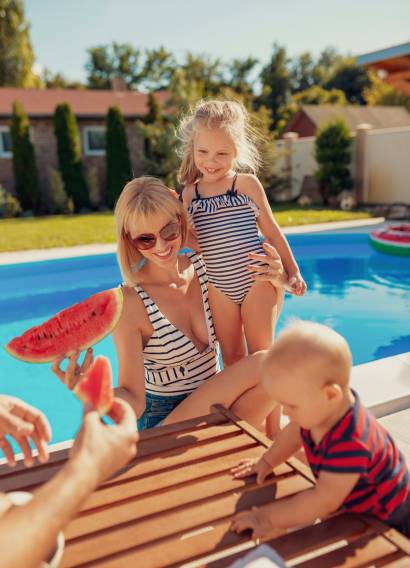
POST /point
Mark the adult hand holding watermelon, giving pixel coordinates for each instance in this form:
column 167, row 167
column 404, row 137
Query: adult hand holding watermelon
column 74, row 329
column 91, row 381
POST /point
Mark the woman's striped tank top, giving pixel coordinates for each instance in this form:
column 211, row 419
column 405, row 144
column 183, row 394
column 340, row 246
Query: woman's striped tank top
column 172, row 363
column 227, row 231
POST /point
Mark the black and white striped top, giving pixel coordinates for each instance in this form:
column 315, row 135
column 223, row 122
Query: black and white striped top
column 172, row 363
column 227, row 231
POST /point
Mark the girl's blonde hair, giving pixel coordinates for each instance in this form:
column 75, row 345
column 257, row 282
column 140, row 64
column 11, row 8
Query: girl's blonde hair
column 142, row 199
column 233, row 117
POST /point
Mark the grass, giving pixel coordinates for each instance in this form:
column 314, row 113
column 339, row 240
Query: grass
column 71, row 230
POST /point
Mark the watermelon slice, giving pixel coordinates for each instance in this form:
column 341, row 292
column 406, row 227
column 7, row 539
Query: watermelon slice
column 73, row 329
column 95, row 388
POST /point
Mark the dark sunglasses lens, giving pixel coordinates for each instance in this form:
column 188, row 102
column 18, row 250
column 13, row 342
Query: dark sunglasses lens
column 144, row 241
column 171, row 231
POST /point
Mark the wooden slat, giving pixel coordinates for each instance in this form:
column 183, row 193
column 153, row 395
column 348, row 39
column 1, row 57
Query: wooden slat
column 303, row 541
column 186, row 439
column 157, row 501
column 160, row 481
column 397, row 560
column 202, row 512
column 361, row 552
column 186, row 425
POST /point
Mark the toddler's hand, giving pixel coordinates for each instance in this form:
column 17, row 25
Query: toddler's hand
column 256, row 519
column 248, row 467
column 296, row 285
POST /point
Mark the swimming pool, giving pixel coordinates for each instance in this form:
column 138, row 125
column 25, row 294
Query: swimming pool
column 359, row 292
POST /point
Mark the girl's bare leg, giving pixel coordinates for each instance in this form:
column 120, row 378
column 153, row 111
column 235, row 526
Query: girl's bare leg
column 228, row 326
column 260, row 311
column 238, row 387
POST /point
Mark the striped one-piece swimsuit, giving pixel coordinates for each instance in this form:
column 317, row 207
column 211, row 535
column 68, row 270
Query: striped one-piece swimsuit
column 227, row 231
column 173, row 365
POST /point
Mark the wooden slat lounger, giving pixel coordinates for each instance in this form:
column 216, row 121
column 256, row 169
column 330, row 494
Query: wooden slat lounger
column 172, row 506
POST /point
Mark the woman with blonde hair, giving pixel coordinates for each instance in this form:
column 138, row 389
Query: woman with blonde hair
column 165, row 339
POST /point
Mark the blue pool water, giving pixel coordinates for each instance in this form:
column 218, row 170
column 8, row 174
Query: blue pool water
column 359, row 292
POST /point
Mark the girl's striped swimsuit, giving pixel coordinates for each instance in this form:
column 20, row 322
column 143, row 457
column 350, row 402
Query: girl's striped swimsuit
column 173, row 365
column 227, row 231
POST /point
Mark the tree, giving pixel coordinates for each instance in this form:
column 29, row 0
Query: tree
column 24, row 161
column 276, row 83
column 119, row 170
column 106, row 62
column 16, row 52
column 301, row 73
column 313, row 96
column 239, row 71
column 327, row 63
column 154, row 113
column 69, row 155
column 381, row 93
column 51, row 80
column 204, row 71
column 351, row 79
column 333, row 154
column 158, row 68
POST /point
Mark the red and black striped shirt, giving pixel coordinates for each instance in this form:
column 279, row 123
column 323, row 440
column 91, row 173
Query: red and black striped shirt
column 357, row 443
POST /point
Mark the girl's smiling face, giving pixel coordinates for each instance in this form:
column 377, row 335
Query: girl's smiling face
column 214, row 153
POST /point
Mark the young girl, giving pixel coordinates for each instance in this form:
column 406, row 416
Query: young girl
column 226, row 207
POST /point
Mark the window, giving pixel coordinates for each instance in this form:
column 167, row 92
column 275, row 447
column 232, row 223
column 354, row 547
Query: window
column 5, row 142
column 94, row 140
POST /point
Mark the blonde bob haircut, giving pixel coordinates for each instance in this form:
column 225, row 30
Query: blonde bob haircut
column 141, row 200
column 233, row 117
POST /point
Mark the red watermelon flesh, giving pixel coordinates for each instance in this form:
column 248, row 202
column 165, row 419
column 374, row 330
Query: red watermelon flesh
column 95, row 389
column 73, row 329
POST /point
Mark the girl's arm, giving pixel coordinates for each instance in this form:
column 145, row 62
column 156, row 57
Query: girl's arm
column 269, row 228
column 192, row 241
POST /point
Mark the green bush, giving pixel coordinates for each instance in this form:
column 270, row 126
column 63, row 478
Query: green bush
column 94, row 187
column 24, row 161
column 118, row 164
column 57, row 198
column 9, row 205
column 69, row 156
column 333, row 154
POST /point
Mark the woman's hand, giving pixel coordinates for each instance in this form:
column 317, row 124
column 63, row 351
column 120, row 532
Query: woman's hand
column 273, row 270
column 21, row 422
column 74, row 372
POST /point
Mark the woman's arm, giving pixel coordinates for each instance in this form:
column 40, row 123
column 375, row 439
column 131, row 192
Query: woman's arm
column 267, row 223
column 128, row 342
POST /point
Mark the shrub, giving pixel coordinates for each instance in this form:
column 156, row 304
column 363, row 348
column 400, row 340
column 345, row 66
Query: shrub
column 117, row 156
column 24, row 161
column 94, row 187
column 332, row 153
column 69, row 155
column 9, row 205
column 57, row 198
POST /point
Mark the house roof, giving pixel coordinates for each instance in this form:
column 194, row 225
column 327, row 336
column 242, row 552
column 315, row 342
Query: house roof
column 377, row 116
column 394, row 56
column 84, row 103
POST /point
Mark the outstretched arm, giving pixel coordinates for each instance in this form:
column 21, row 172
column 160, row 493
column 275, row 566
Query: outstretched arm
column 304, row 508
column 98, row 451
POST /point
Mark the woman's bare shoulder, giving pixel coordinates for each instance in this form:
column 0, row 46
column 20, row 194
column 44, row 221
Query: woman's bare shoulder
column 133, row 310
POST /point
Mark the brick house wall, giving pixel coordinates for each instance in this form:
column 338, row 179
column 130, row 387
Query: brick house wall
column 45, row 147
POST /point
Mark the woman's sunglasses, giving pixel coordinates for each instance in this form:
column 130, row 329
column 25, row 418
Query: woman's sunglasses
column 170, row 232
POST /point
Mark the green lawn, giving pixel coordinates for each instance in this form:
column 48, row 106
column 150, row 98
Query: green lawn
column 70, row 230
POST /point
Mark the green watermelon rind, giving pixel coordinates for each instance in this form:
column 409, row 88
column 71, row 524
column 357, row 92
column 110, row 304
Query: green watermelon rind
column 118, row 298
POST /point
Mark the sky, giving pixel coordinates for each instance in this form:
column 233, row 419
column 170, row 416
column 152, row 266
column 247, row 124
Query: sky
column 62, row 30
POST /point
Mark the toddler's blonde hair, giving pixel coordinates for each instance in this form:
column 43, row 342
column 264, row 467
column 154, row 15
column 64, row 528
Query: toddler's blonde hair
column 233, row 117
column 142, row 199
column 307, row 342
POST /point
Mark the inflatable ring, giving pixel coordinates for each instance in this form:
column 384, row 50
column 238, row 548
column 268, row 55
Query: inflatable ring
column 392, row 240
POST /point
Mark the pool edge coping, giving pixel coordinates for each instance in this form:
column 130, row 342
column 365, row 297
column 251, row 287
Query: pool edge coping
column 37, row 255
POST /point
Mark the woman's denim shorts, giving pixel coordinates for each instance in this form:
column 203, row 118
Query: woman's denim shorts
column 157, row 409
